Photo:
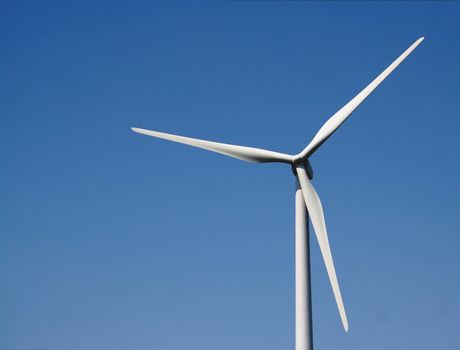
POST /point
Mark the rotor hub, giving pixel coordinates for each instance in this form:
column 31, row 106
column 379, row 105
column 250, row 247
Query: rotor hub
column 306, row 164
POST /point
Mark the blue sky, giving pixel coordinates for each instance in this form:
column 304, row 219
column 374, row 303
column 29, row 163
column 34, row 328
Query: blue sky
column 111, row 240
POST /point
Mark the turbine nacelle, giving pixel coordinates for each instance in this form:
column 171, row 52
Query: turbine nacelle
column 305, row 163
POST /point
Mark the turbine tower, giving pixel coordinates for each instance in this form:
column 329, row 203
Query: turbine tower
column 307, row 202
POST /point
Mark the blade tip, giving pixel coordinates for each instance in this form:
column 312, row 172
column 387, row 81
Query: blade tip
column 345, row 321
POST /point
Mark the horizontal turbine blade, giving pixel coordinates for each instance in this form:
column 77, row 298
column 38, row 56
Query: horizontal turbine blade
column 338, row 118
column 315, row 211
column 249, row 154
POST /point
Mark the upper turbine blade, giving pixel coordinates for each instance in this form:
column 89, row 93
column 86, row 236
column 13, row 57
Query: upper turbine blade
column 338, row 118
column 315, row 211
column 249, row 154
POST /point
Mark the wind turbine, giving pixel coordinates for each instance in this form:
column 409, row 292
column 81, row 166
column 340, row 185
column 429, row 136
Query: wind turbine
column 307, row 202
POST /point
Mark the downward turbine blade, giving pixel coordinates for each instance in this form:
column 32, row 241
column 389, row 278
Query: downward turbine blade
column 315, row 211
column 338, row 118
column 249, row 154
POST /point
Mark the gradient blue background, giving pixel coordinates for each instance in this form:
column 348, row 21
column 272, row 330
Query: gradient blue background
column 115, row 241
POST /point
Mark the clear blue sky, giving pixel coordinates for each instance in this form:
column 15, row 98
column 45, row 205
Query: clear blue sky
column 113, row 241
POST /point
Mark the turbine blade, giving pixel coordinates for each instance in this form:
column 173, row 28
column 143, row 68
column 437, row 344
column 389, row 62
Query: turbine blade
column 338, row 118
column 315, row 211
column 250, row 154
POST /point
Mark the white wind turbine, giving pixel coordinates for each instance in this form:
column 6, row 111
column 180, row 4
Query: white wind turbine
column 307, row 202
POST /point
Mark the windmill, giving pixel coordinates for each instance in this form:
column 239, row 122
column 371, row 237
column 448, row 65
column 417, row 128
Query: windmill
column 307, row 202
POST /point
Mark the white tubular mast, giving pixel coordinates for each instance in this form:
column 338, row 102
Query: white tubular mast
column 303, row 311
